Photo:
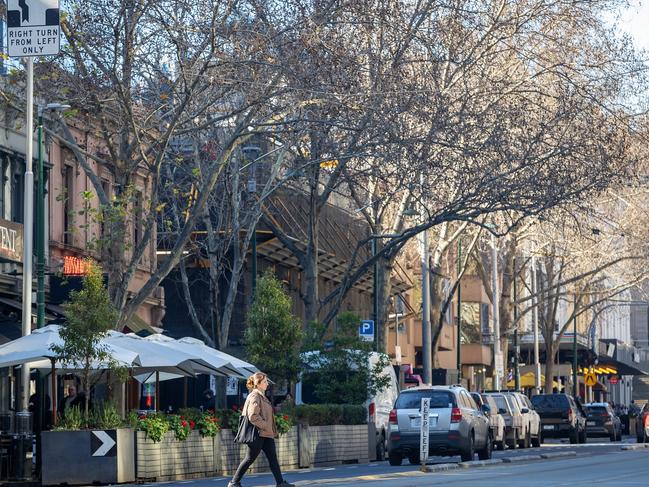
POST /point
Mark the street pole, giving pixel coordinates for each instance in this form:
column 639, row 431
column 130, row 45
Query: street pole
column 498, row 360
column 517, row 374
column 426, row 335
column 459, row 312
column 375, row 295
column 574, row 348
column 28, row 227
column 535, row 325
column 40, row 229
column 253, row 258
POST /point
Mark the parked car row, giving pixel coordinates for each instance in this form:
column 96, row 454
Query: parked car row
column 463, row 423
column 642, row 424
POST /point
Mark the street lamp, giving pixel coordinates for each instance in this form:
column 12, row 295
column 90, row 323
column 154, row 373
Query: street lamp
column 40, row 217
column 498, row 356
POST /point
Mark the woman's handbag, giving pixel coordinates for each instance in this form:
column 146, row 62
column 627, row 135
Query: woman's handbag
column 247, row 432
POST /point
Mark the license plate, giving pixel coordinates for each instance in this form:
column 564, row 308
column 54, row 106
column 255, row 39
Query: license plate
column 590, row 423
column 548, row 427
column 416, row 422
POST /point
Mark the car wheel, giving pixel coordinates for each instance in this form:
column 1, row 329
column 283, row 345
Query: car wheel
column 574, row 437
column 612, row 438
column 645, row 438
column 512, row 444
column 500, row 445
column 395, row 459
column 468, row 454
column 536, row 441
column 583, row 437
column 414, row 460
column 380, row 448
column 485, row 453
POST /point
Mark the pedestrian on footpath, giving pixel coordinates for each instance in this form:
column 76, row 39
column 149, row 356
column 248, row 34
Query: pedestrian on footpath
column 259, row 411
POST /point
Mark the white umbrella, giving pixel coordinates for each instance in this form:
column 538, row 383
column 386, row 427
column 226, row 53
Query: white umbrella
column 37, row 347
column 155, row 357
column 221, row 361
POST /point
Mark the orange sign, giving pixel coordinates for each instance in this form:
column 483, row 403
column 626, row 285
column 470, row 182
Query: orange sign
column 74, row 266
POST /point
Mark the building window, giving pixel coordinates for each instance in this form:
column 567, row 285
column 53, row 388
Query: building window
column 68, row 195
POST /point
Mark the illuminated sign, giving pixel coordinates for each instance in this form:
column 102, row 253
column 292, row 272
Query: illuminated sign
column 74, row 266
column 11, row 241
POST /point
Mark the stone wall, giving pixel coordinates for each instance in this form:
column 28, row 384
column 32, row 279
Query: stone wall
column 201, row 457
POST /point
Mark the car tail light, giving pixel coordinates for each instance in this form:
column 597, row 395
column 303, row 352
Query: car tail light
column 646, row 420
column 456, row 415
column 371, row 409
column 570, row 415
column 393, row 416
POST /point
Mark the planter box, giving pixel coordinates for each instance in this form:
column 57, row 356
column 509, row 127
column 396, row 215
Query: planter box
column 171, row 459
column 228, row 454
column 330, row 445
column 84, row 457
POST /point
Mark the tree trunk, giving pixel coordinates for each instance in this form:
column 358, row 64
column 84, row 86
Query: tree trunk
column 384, row 290
column 549, row 366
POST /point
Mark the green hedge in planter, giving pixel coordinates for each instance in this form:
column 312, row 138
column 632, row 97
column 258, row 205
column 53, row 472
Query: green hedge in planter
column 327, row 414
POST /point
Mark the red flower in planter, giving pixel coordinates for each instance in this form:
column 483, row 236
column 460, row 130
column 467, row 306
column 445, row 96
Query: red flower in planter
column 184, row 423
column 192, row 424
column 285, row 417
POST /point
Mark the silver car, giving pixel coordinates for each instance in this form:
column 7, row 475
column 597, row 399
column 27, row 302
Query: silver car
column 531, row 431
column 457, row 425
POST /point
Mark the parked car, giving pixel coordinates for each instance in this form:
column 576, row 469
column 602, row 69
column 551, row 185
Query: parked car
column 642, row 424
column 601, row 420
column 378, row 406
column 562, row 416
column 457, row 425
column 531, row 424
column 496, row 420
column 512, row 416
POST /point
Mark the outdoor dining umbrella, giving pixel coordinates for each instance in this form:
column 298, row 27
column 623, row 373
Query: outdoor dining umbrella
column 242, row 366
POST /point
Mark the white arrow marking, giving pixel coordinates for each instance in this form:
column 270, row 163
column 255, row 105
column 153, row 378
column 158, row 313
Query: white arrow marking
column 107, row 441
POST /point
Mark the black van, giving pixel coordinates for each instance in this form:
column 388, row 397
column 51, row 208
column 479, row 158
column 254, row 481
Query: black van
column 562, row 416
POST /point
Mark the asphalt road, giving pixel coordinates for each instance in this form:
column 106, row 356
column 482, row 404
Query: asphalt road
column 597, row 463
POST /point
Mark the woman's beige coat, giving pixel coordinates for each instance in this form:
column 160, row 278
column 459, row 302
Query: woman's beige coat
column 259, row 411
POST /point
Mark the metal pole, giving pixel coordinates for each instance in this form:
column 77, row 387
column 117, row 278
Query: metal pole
column 375, row 296
column 459, row 312
column 535, row 325
column 253, row 264
column 517, row 373
column 426, row 335
column 574, row 348
column 28, row 227
column 40, row 229
column 498, row 360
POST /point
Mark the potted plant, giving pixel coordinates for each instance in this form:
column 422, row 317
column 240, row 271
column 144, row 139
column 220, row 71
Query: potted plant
column 88, row 446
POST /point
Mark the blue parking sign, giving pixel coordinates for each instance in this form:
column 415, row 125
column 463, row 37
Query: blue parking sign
column 366, row 330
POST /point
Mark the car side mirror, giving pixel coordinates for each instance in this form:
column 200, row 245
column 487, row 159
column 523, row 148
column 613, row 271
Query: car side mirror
column 486, row 409
column 502, row 411
column 525, row 411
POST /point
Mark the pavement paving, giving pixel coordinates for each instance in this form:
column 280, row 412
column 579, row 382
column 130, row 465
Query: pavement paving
column 554, row 464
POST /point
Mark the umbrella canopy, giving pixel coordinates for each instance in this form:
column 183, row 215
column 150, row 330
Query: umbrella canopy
column 242, row 366
column 219, row 360
column 37, row 347
column 155, row 357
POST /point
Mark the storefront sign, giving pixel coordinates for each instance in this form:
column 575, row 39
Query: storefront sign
column 74, row 266
column 11, row 241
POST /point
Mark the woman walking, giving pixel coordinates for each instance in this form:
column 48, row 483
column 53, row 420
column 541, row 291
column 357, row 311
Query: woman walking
column 259, row 412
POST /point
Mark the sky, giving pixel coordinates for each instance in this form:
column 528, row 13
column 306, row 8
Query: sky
column 635, row 21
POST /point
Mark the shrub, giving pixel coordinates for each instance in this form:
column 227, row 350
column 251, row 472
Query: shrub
column 192, row 414
column 154, row 425
column 283, row 423
column 74, row 419
column 180, row 426
column 328, row 414
column 106, row 417
column 208, row 424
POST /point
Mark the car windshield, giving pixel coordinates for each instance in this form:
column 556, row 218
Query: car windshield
column 501, row 403
column 513, row 404
column 550, row 401
column 438, row 399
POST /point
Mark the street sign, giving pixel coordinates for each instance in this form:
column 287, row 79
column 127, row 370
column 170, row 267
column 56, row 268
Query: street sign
column 102, row 443
column 33, row 28
column 498, row 362
column 590, row 379
column 613, row 380
column 366, row 330
column 424, row 430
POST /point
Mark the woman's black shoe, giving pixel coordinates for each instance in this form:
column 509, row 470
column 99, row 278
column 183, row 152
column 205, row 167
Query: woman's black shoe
column 234, row 484
column 285, row 484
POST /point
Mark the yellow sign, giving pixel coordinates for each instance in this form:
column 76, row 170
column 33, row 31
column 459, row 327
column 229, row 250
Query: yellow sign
column 590, row 379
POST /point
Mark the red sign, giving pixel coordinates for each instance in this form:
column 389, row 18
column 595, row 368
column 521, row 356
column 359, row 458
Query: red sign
column 74, row 266
column 613, row 380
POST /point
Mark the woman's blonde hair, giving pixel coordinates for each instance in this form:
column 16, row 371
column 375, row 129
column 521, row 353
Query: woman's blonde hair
column 254, row 380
